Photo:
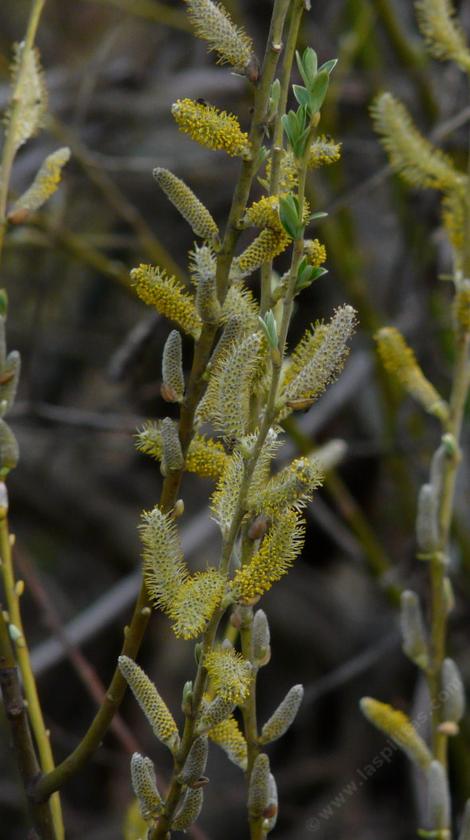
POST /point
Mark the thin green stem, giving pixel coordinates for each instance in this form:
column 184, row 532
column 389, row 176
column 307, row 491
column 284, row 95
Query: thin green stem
column 277, row 144
column 17, row 719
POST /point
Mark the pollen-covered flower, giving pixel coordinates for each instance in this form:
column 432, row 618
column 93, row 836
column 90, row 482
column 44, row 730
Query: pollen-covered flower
column 399, row 360
column 399, row 728
column 229, row 673
column 280, row 547
column 213, row 24
column 412, row 156
column 323, row 152
column 268, row 244
column 319, row 357
column 205, row 457
column 210, row 127
column 164, row 568
column 444, row 35
column 195, row 603
column 168, row 296
column 315, row 252
column 292, row 487
column 44, row 185
column 228, row 736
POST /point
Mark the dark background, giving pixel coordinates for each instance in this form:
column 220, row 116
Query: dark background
column 91, row 354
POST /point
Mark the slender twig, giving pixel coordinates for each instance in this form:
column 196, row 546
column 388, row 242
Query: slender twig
column 17, row 719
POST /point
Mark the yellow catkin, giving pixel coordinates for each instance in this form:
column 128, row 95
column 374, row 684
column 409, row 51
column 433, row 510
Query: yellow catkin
column 144, row 785
column 292, row 487
column 229, row 674
column 399, row 728
column 168, row 296
column 454, row 217
column 400, row 361
column 225, row 498
column 315, row 252
column 412, row 156
column 228, row 736
column 43, row 187
column 320, row 357
column 443, row 34
column 149, row 700
column 205, row 457
column 190, row 207
column 282, row 544
column 31, row 95
column 164, row 568
column 267, row 245
column 195, row 603
column 323, row 152
column 210, row 127
column 212, row 23
column 226, row 403
column 241, row 303
column 264, row 213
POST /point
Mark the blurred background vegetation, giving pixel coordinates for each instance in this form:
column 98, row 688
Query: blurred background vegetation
column 91, row 375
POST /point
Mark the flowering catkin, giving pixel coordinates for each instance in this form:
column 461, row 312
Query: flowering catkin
column 195, row 603
column 190, row 207
column 30, row 96
column 168, row 296
column 229, row 673
column 212, row 23
column 282, row 544
column 228, row 736
column 144, row 785
column 414, row 158
column 443, row 34
column 398, row 359
column 399, row 728
column 210, row 127
column 149, row 700
column 164, row 567
column 43, row 187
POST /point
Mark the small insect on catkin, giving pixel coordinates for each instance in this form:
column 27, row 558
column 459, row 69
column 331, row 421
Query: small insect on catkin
column 453, row 704
column 196, row 761
column 438, row 797
column 415, row 644
column 284, row 716
column 190, row 207
column 259, row 787
column 427, row 529
column 172, row 368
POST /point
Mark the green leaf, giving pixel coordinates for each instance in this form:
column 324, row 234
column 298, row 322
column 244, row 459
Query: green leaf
column 319, row 90
column 307, row 64
column 269, row 326
column 290, row 217
column 328, row 66
column 302, row 95
column 307, row 274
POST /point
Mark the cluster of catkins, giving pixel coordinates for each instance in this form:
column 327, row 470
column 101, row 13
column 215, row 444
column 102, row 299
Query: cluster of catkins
column 227, row 422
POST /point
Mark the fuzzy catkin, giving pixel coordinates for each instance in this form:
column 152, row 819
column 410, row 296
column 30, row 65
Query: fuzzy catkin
column 412, row 629
column 144, row 785
column 210, row 127
column 195, row 603
column 228, row 736
column 190, row 207
column 190, row 809
column 442, row 32
column 259, row 786
column 149, row 700
column 196, row 761
column 164, row 568
column 169, row 297
column 399, row 728
column 172, row 367
column 412, row 156
column 230, row 674
column 31, row 96
column 212, row 23
column 43, row 187
column 284, row 715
